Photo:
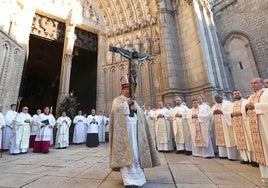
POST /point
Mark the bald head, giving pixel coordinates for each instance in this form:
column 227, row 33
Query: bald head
column 256, row 84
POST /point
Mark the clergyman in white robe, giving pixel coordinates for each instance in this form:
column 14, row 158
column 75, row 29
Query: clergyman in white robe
column 224, row 132
column 34, row 127
column 20, row 133
column 62, row 137
column 180, row 127
column 163, row 132
column 132, row 174
column 102, row 120
column 257, row 111
column 80, row 125
column 2, row 124
column 92, row 129
column 241, row 126
column 199, row 118
column 43, row 137
column 9, row 117
column 107, row 127
column 150, row 116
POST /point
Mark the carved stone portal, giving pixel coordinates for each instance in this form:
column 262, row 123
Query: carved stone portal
column 48, row 28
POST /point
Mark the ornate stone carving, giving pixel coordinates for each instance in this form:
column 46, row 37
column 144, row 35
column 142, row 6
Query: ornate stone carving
column 126, row 16
column 48, row 28
column 11, row 66
column 156, row 42
column 137, row 44
column 86, row 40
column 118, row 57
column 89, row 13
column 146, row 44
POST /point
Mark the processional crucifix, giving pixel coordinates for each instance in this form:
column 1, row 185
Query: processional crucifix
column 134, row 58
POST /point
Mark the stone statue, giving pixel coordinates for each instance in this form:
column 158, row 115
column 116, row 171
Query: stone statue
column 134, row 58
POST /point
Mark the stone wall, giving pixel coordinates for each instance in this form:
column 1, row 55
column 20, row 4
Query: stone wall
column 11, row 66
column 248, row 19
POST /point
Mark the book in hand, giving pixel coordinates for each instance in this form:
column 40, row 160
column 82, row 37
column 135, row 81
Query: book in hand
column 45, row 122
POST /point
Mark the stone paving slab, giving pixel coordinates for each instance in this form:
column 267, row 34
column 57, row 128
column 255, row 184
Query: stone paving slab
column 79, row 166
column 17, row 180
column 47, row 182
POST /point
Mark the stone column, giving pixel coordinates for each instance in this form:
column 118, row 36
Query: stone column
column 170, row 57
column 67, row 59
column 215, row 70
column 102, row 54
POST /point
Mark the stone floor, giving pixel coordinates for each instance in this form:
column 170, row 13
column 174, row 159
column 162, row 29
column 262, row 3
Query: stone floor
column 79, row 166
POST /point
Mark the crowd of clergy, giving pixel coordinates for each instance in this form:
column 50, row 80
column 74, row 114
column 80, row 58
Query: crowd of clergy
column 234, row 130
column 20, row 131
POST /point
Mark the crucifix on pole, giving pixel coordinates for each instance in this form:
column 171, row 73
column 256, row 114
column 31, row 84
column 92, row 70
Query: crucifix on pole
column 134, row 58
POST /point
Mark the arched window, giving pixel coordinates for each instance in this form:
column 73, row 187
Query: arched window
column 242, row 64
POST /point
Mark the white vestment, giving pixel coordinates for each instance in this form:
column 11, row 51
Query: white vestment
column 80, row 127
column 107, row 127
column 242, row 131
column 34, row 124
column 200, row 131
column 163, row 132
column 260, row 130
column 2, row 125
column 102, row 120
column 20, row 134
column 93, row 124
column 181, row 128
column 62, row 137
column 45, row 133
column 150, row 116
column 132, row 174
column 9, row 117
column 224, row 131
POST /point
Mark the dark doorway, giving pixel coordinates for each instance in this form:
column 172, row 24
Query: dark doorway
column 40, row 80
column 84, row 78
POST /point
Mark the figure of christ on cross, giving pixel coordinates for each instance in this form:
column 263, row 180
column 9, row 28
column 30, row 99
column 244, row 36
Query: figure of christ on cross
column 134, row 58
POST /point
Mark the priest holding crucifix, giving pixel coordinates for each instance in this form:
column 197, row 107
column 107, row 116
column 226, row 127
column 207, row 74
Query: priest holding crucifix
column 131, row 144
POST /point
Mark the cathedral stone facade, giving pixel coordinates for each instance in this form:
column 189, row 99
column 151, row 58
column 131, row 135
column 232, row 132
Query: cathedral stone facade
column 243, row 31
column 189, row 55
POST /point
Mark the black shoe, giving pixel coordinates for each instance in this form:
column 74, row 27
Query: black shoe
column 45, row 152
column 223, row 157
column 180, row 152
column 209, row 157
column 23, row 152
column 188, row 152
column 244, row 162
column 15, row 153
column 254, row 164
column 231, row 159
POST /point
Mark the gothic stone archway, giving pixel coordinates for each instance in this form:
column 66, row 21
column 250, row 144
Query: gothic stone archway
column 41, row 78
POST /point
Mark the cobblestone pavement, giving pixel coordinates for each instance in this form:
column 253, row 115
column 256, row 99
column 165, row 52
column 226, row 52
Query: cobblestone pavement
column 79, row 166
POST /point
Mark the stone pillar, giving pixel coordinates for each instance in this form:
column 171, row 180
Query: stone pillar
column 213, row 59
column 170, row 58
column 102, row 54
column 67, row 59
